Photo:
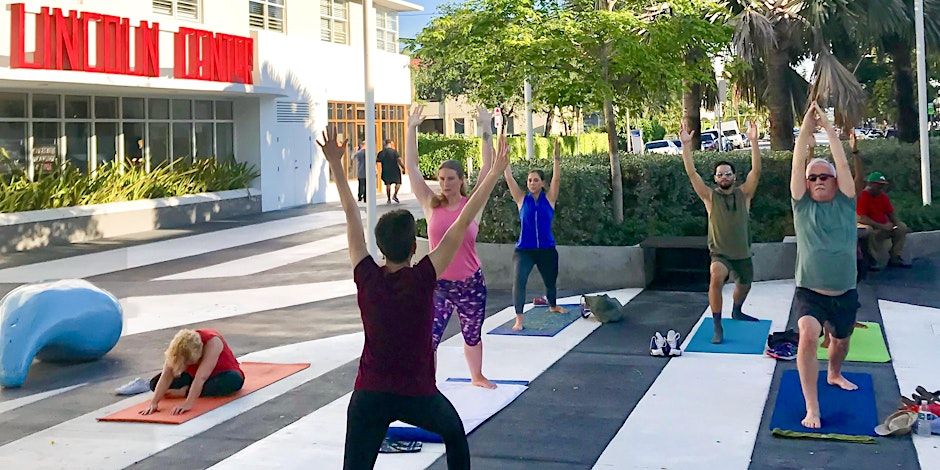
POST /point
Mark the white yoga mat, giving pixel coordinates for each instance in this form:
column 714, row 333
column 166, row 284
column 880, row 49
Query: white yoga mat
column 474, row 404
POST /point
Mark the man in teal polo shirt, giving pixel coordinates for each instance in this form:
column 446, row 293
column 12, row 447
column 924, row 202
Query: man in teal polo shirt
column 824, row 220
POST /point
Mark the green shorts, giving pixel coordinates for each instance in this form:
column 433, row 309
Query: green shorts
column 741, row 271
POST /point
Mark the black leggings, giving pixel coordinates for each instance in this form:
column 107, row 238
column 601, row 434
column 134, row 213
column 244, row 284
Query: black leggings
column 219, row 385
column 362, row 189
column 547, row 261
column 370, row 413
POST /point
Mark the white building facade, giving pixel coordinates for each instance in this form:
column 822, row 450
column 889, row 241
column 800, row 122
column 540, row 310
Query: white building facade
column 164, row 82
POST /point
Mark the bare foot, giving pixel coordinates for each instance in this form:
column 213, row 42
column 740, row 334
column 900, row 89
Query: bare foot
column 517, row 326
column 557, row 309
column 842, row 383
column 811, row 421
column 483, row 382
column 177, row 392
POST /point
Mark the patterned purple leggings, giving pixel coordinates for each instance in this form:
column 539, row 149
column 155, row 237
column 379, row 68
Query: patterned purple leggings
column 468, row 297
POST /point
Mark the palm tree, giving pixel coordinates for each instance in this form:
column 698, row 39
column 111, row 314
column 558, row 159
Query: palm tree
column 774, row 35
column 892, row 22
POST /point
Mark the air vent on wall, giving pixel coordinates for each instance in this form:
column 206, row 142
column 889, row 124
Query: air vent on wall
column 292, row 111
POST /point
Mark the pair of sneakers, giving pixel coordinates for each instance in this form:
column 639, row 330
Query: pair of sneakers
column 663, row 346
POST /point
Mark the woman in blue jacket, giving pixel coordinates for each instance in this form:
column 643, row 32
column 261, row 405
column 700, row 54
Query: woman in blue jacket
column 536, row 246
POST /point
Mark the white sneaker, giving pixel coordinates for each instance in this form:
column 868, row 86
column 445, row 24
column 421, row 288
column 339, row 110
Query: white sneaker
column 672, row 339
column 133, row 387
column 658, row 345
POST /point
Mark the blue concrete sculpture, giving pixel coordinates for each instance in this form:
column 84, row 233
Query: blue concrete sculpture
column 61, row 321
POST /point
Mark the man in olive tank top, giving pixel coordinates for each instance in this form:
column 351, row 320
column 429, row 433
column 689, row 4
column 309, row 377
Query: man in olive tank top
column 729, row 239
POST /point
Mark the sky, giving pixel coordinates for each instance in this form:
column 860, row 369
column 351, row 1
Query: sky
column 409, row 23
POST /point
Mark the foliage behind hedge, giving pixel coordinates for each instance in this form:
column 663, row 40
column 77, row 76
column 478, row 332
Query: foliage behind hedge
column 659, row 200
column 434, row 149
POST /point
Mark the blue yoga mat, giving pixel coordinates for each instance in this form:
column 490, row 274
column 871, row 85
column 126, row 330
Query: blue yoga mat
column 741, row 337
column 540, row 322
column 843, row 412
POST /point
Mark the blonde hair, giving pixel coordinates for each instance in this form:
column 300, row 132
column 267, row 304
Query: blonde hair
column 185, row 348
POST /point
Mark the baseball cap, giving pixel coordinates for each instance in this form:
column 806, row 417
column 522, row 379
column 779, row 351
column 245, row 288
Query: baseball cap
column 876, row 177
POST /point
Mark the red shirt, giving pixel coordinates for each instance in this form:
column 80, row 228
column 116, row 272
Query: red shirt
column 877, row 208
column 226, row 361
column 397, row 316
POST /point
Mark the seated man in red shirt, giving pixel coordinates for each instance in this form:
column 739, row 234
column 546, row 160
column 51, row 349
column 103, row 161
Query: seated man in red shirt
column 886, row 231
column 396, row 379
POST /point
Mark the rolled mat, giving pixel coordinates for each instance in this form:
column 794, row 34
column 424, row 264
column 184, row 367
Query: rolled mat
column 257, row 376
column 844, row 413
column 539, row 321
column 865, row 345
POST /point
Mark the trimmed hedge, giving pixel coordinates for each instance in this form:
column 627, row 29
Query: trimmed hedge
column 434, row 149
column 659, row 200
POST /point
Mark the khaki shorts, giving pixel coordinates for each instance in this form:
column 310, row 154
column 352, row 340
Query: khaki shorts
column 741, row 271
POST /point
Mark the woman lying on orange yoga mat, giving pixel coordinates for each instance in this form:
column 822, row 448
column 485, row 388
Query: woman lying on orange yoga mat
column 198, row 364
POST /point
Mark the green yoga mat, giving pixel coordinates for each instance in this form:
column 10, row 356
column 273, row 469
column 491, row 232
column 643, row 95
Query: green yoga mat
column 867, row 345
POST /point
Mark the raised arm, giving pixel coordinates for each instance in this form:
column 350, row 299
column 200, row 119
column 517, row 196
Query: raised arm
column 514, row 189
column 484, row 124
column 858, row 167
column 444, row 253
column 418, row 186
column 804, row 142
column 843, row 171
column 333, row 150
column 555, row 186
column 753, row 177
column 704, row 193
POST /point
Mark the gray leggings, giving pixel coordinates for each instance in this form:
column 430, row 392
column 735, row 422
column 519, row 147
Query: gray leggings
column 547, row 261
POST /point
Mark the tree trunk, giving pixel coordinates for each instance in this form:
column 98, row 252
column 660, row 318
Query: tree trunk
column 548, row 123
column 616, row 179
column 691, row 112
column 904, row 86
column 779, row 104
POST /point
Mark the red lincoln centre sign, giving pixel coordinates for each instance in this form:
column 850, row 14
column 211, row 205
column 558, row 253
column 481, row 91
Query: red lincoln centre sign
column 62, row 43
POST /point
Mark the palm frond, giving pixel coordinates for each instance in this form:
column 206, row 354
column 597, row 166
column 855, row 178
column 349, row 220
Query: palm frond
column 835, row 86
column 754, row 35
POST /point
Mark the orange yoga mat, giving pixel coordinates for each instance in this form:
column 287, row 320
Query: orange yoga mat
column 257, row 376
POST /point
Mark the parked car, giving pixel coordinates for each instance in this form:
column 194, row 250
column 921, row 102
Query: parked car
column 733, row 135
column 666, row 147
column 709, row 141
column 726, row 144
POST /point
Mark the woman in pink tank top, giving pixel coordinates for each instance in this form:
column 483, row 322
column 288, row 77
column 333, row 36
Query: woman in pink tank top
column 461, row 286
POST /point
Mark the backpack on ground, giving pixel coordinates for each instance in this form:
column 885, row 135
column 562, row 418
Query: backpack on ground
column 604, row 307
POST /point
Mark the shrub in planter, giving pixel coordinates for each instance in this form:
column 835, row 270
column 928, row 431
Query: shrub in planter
column 67, row 187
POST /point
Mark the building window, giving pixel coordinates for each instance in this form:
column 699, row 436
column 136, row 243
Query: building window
column 266, row 14
column 386, row 30
column 91, row 132
column 334, row 18
column 184, row 9
column 459, row 126
column 349, row 120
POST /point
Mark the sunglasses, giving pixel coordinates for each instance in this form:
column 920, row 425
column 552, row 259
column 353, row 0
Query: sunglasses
column 726, row 174
column 823, row 177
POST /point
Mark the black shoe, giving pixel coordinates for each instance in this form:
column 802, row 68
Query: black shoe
column 396, row 200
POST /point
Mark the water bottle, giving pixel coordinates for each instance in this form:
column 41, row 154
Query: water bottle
column 923, row 419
